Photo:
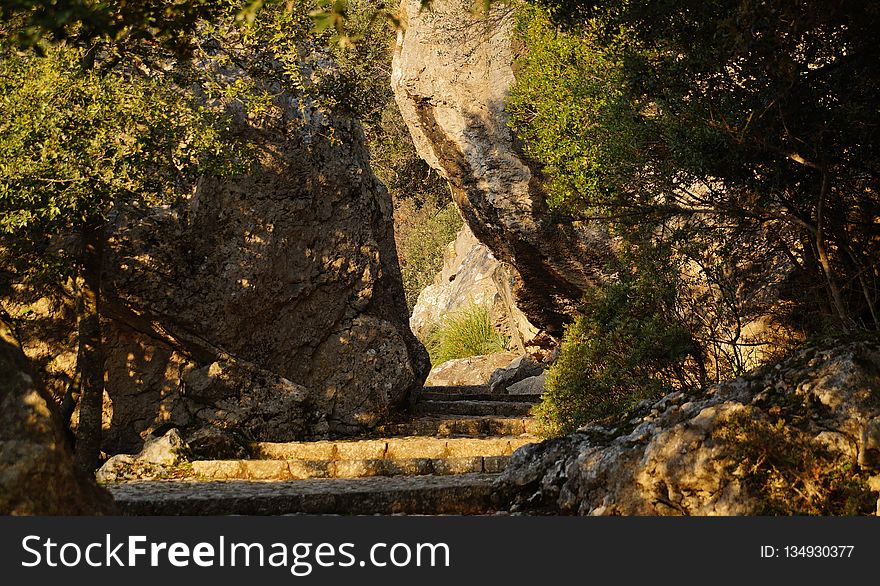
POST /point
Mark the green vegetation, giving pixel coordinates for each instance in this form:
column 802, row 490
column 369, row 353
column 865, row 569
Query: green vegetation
column 738, row 137
column 629, row 344
column 465, row 333
column 423, row 233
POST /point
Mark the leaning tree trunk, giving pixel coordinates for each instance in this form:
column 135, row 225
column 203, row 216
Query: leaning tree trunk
column 91, row 350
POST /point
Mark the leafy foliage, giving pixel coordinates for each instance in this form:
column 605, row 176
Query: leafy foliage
column 739, row 136
column 423, row 231
column 718, row 114
column 464, row 333
column 630, row 343
column 76, row 143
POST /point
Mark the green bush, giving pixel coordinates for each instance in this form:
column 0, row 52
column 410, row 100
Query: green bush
column 464, row 333
column 628, row 345
column 422, row 234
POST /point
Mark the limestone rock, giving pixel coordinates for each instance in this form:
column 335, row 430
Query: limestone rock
column 737, row 450
column 166, row 450
column 37, row 473
column 472, row 371
column 284, row 281
column 210, row 443
column 158, row 456
column 452, row 72
column 534, row 385
column 520, row 369
column 472, row 276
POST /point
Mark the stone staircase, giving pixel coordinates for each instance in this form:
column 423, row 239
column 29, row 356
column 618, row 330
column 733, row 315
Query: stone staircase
column 438, row 458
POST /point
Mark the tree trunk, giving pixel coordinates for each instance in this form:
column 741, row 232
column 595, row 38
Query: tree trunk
column 824, row 259
column 91, row 350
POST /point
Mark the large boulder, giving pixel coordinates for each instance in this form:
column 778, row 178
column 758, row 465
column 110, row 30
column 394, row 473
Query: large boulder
column 287, row 277
column 452, row 72
column 472, row 276
column 800, row 437
column 37, row 472
column 268, row 305
column 471, row 371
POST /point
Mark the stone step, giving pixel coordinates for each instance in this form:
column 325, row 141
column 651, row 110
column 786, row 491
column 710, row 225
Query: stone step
column 505, row 408
column 457, row 389
column 460, row 426
column 465, row 494
column 469, row 396
column 280, row 470
column 397, row 448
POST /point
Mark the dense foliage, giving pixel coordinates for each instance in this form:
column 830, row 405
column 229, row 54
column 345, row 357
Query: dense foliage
column 76, row 143
column 632, row 342
column 741, row 135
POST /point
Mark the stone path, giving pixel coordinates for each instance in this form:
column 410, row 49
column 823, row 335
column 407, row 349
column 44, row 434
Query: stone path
column 465, row 494
column 439, row 458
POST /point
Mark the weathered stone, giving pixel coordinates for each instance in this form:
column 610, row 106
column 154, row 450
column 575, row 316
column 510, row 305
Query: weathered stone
column 156, row 459
column 37, row 472
column 452, row 72
column 473, row 371
column 464, row 426
column 210, row 443
column 534, row 385
column 167, row 450
column 269, row 304
column 520, row 369
column 416, row 447
column 707, row 455
column 218, row 469
column 471, row 276
column 361, row 450
column 266, row 469
column 419, row 495
column 505, row 408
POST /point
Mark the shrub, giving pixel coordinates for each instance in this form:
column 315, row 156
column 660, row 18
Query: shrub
column 464, row 333
column 422, row 233
column 628, row 345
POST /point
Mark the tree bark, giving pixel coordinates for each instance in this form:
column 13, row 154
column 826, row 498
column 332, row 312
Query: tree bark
column 91, row 350
column 824, row 260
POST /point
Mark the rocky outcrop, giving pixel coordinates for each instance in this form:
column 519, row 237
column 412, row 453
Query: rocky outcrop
column 37, row 473
column 268, row 305
column 800, row 437
column 284, row 282
column 472, row 276
column 156, row 459
column 452, row 73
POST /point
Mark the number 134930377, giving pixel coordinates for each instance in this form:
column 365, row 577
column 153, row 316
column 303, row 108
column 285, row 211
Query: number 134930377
column 808, row 551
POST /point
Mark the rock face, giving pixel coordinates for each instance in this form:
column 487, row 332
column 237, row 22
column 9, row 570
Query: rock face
column 800, row 437
column 268, row 305
column 471, row 275
column 156, row 458
column 37, row 473
column 452, row 73
column 273, row 303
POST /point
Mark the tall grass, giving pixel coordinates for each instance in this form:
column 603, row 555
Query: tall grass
column 464, row 333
